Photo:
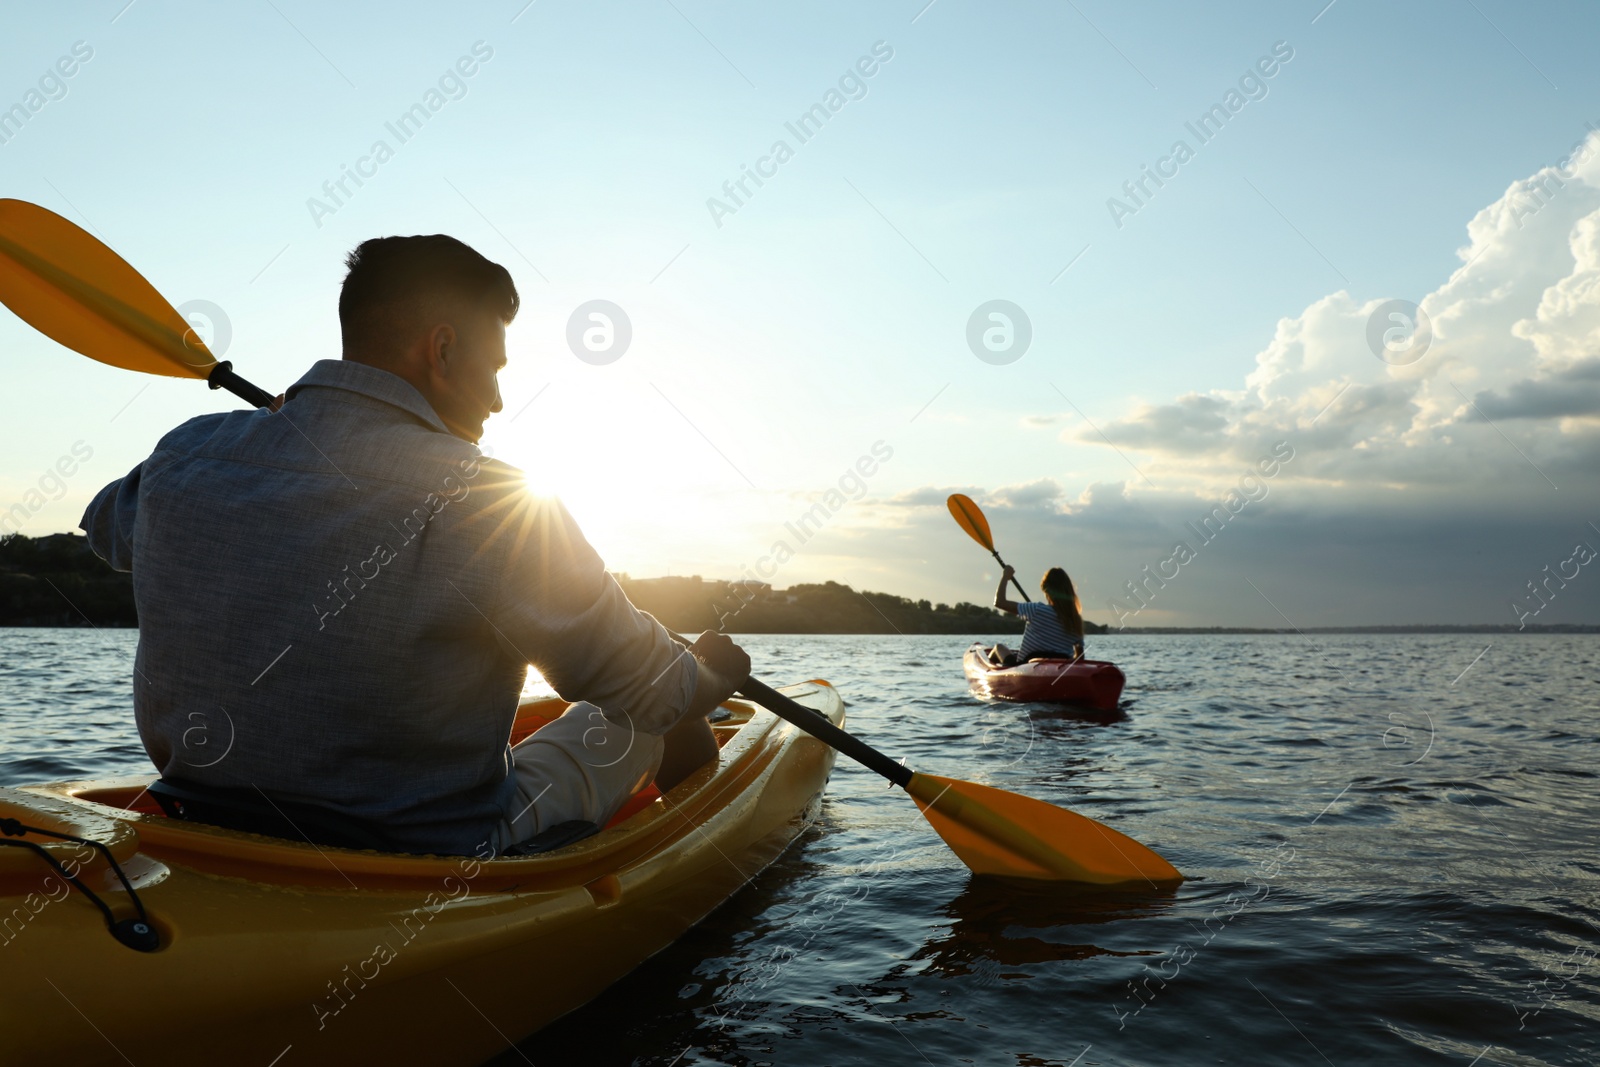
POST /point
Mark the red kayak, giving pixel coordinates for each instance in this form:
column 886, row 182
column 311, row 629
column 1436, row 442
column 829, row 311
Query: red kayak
column 1089, row 682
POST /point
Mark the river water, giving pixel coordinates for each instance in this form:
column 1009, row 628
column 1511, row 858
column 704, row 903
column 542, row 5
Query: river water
column 1390, row 845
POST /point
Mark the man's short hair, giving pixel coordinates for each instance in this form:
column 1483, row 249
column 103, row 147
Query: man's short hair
column 395, row 285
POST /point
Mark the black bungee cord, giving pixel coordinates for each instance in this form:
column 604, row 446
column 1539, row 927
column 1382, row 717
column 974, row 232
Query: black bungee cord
column 137, row 933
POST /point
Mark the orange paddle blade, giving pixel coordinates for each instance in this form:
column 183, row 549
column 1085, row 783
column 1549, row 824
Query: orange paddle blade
column 59, row 279
column 970, row 518
column 1001, row 833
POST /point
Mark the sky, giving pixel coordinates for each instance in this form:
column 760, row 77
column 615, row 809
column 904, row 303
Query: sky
column 1327, row 274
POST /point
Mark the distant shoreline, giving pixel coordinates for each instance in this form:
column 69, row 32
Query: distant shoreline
column 57, row 582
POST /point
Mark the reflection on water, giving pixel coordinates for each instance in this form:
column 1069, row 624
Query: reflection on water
column 1018, row 925
column 1389, row 861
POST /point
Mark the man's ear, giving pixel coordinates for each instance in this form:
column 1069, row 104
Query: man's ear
column 443, row 347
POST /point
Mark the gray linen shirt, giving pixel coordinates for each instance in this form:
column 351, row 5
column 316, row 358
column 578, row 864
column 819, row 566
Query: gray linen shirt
column 337, row 604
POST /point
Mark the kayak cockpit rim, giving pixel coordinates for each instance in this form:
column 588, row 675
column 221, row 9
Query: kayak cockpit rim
column 748, row 746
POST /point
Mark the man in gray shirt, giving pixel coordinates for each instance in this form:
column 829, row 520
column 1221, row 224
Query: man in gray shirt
column 338, row 599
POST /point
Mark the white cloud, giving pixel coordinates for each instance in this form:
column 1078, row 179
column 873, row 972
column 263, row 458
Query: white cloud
column 1032, row 494
column 1574, row 391
column 1192, row 423
column 930, row 495
column 1515, row 329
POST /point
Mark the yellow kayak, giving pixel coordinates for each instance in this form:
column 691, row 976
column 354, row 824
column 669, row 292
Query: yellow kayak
column 280, row 952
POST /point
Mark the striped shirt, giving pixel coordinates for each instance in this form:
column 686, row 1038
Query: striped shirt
column 1044, row 633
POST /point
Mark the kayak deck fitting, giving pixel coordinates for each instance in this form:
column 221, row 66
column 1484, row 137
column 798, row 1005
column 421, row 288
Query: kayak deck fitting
column 1089, row 683
column 365, row 957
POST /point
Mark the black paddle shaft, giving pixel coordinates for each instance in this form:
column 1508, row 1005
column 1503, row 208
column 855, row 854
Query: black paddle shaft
column 818, row 726
column 223, row 377
column 1014, row 581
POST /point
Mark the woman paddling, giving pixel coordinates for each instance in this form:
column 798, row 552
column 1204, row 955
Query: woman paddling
column 1054, row 629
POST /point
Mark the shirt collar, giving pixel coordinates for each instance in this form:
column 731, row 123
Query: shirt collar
column 371, row 382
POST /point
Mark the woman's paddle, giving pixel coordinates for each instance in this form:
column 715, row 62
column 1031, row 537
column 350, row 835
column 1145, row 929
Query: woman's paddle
column 74, row 289
column 970, row 518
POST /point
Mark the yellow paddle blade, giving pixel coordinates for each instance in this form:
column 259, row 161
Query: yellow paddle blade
column 970, row 518
column 1000, row 833
column 59, row 280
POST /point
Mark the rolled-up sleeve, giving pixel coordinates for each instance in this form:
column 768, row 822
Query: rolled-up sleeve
column 108, row 521
column 561, row 610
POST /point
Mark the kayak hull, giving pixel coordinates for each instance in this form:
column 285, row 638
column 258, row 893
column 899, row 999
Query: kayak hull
column 1086, row 683
column 361, row 957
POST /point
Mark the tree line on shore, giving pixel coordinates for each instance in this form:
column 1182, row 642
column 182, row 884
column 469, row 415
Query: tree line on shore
column 57, row 581
column 694, row 604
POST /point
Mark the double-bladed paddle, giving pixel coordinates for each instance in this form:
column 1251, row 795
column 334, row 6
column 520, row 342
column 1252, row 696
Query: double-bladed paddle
column 72, row 288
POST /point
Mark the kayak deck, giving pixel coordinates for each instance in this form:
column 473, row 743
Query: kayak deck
column 1088, row 683
column 353, row 956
